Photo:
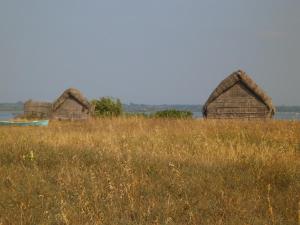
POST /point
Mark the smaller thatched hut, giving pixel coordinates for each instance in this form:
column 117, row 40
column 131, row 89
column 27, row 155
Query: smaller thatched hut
column 238, row 96
column 37, row 109
column 71, row 105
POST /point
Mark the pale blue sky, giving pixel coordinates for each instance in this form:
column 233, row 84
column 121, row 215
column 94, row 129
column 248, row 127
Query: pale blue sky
column 147, row 51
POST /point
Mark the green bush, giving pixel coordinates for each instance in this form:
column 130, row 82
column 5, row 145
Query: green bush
column 173, row 113
column 107, row 106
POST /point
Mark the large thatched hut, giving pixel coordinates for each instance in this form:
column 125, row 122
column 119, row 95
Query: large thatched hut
column 36, row 109
column 71, row 105
column 238, row 96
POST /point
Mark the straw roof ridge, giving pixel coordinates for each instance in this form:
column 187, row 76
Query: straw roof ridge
column 31, row 102
column 75, row 94
column 231, row 80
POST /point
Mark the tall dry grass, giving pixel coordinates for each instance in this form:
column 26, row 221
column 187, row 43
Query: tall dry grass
column 147, row 171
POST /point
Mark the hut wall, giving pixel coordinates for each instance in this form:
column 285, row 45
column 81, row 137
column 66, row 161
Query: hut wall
column 71, row 109
column 37, row 109
column 237, row 102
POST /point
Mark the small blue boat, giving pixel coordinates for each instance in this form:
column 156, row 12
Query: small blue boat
column 38, row 123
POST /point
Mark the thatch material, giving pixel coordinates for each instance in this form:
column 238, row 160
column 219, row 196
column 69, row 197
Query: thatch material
column 37, row 109
column 71, row 93
column 246, row 99
column 71, row 105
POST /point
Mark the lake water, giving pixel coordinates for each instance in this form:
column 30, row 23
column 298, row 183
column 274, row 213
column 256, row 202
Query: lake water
column 7, row 115
column 278, row 115
column 287, row 115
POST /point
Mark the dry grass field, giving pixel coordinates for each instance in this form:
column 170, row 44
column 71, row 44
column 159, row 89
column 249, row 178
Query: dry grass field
column 150, row 171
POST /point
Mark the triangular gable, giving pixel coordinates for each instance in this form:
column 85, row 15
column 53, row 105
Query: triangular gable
column 74, row 93
column 240, row 76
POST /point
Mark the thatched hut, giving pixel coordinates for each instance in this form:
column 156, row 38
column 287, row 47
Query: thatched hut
column 238, row 96
column 37, row 109
column 71, row 105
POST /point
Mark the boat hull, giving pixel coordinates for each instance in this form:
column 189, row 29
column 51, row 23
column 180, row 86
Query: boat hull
column 38, row 123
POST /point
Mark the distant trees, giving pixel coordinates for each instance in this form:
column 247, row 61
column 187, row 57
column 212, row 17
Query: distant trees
column 112, row 107
column 107, row 106
column 173, row 113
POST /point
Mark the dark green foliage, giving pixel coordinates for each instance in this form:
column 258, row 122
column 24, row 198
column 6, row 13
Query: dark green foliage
column 173, row 113
column 107, row 106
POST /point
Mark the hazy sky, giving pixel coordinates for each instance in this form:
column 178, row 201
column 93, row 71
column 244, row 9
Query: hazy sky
column 147, row 51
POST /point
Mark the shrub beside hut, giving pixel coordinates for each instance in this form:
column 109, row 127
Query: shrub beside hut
column 238, row 96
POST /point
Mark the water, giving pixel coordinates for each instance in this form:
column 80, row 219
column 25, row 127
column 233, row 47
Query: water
column 287, row 115
column 278, row 115
column 7, row 115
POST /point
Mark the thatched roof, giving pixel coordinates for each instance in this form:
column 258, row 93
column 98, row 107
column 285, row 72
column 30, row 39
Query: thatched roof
column 37, row 106
column 240, row 76
column 71, row 93
column 30, row 102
